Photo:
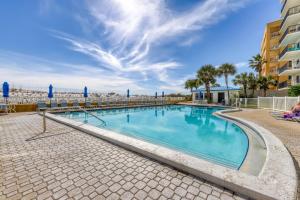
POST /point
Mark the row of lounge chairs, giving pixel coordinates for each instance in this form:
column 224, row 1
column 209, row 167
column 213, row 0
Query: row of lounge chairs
column 64, row 105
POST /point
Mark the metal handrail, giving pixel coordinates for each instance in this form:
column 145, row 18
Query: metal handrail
column 85, row 111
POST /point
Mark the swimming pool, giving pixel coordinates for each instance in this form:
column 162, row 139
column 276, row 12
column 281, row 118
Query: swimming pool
column 189, row 129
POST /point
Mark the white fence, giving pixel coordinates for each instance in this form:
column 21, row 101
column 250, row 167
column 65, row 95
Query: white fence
column 141, row 99
column 274, row 103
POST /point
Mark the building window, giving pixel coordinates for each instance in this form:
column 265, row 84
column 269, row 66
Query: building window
column 290, row 77
column 297, row 79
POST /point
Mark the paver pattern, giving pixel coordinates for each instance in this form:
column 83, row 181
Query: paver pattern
column 287, row 131
column 64, row 163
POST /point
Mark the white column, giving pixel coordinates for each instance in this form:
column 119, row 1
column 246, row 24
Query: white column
column 194, row 97
column 258, row 102
column 285, row 103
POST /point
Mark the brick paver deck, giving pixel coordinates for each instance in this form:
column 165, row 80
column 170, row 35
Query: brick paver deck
column 288, row 132
column 68, row 164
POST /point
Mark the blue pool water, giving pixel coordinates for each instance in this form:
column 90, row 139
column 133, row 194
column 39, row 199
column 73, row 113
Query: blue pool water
column 192, row 130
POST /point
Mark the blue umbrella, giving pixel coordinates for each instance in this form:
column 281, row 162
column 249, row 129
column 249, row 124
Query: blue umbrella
column 85, row 92
column 128, row 94
column 155, row 95
column 5, row 90
column 50, row 93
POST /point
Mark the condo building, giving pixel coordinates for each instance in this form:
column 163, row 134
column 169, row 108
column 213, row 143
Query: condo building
column 270, row 51
column 289, row 43
column 280, row 49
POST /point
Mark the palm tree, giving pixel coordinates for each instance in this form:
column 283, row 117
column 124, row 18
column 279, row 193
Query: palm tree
column 189, row 84
column 207, row 75
column 252, row 83
column 256, row 63
column 192, row 83
column 242, row 79
column 264, row 83
column 226, row 70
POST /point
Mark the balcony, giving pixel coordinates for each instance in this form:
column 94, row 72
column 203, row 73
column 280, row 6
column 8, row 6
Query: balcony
column 275, row 35
column 291, row 35
column 288, row 69
column 284, row 84
column 291, row 52
column 294, row 14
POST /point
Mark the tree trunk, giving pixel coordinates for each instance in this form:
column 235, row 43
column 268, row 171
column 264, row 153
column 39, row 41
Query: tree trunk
column 245, row 91
column 265, row 92
column 253, row 92
column 207, row 93
column 228, row 95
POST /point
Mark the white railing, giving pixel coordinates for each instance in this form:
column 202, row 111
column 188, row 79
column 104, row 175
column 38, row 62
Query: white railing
column 274, row 103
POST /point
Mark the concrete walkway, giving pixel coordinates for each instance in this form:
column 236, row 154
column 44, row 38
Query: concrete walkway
column 68, row 164
column 288, row 132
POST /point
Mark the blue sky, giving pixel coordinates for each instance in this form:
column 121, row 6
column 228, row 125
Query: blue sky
column 112, row 45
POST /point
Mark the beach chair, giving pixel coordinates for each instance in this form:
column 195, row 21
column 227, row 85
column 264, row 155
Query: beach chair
column 88, row 104
column 99, row 104
column 64, row 104
column 287, row 117
column 53, row 104
column 4, row 107
column 75, row 103
column 41, row 105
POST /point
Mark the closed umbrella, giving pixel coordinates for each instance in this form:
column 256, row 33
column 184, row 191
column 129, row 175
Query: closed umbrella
column 128, row 94
column 85, row 93
column 5, row 91
column 155, row 95
column 50, row 93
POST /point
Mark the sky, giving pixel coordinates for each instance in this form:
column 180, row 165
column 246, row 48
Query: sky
column 112, row 45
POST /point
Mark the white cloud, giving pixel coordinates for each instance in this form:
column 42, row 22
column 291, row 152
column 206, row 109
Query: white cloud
column 242, row 64
column 134, row 28
column 28, row 71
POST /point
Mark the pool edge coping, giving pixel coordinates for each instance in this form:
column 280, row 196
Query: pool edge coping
column 271, row 183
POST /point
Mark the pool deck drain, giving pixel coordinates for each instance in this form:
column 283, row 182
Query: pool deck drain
column 66, row 163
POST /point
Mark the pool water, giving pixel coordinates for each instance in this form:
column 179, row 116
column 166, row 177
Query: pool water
column 189, row 129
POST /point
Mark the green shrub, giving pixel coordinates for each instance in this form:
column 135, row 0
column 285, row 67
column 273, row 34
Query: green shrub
column 294, row 91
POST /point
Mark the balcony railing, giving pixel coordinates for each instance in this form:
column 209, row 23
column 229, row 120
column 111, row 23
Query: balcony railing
column 285, row 67
column 283, row 6
column 290, row 29
column 275, row 34
column 291, row 11
column 283, row 85
column 290, row 47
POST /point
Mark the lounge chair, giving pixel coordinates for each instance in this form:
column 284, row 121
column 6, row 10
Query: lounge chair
column 287, row 117
column 4, row 108
column 76, row 103
column 53, row 104
column 99, row 104
column 88, row 104
column 64, row 104
column 41, row 105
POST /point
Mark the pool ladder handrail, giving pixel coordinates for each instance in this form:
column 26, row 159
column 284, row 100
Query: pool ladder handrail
column 82, row 109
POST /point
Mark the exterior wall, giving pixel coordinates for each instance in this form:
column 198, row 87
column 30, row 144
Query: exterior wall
column 290, row 31
column 215, row 95
column 270, row 51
